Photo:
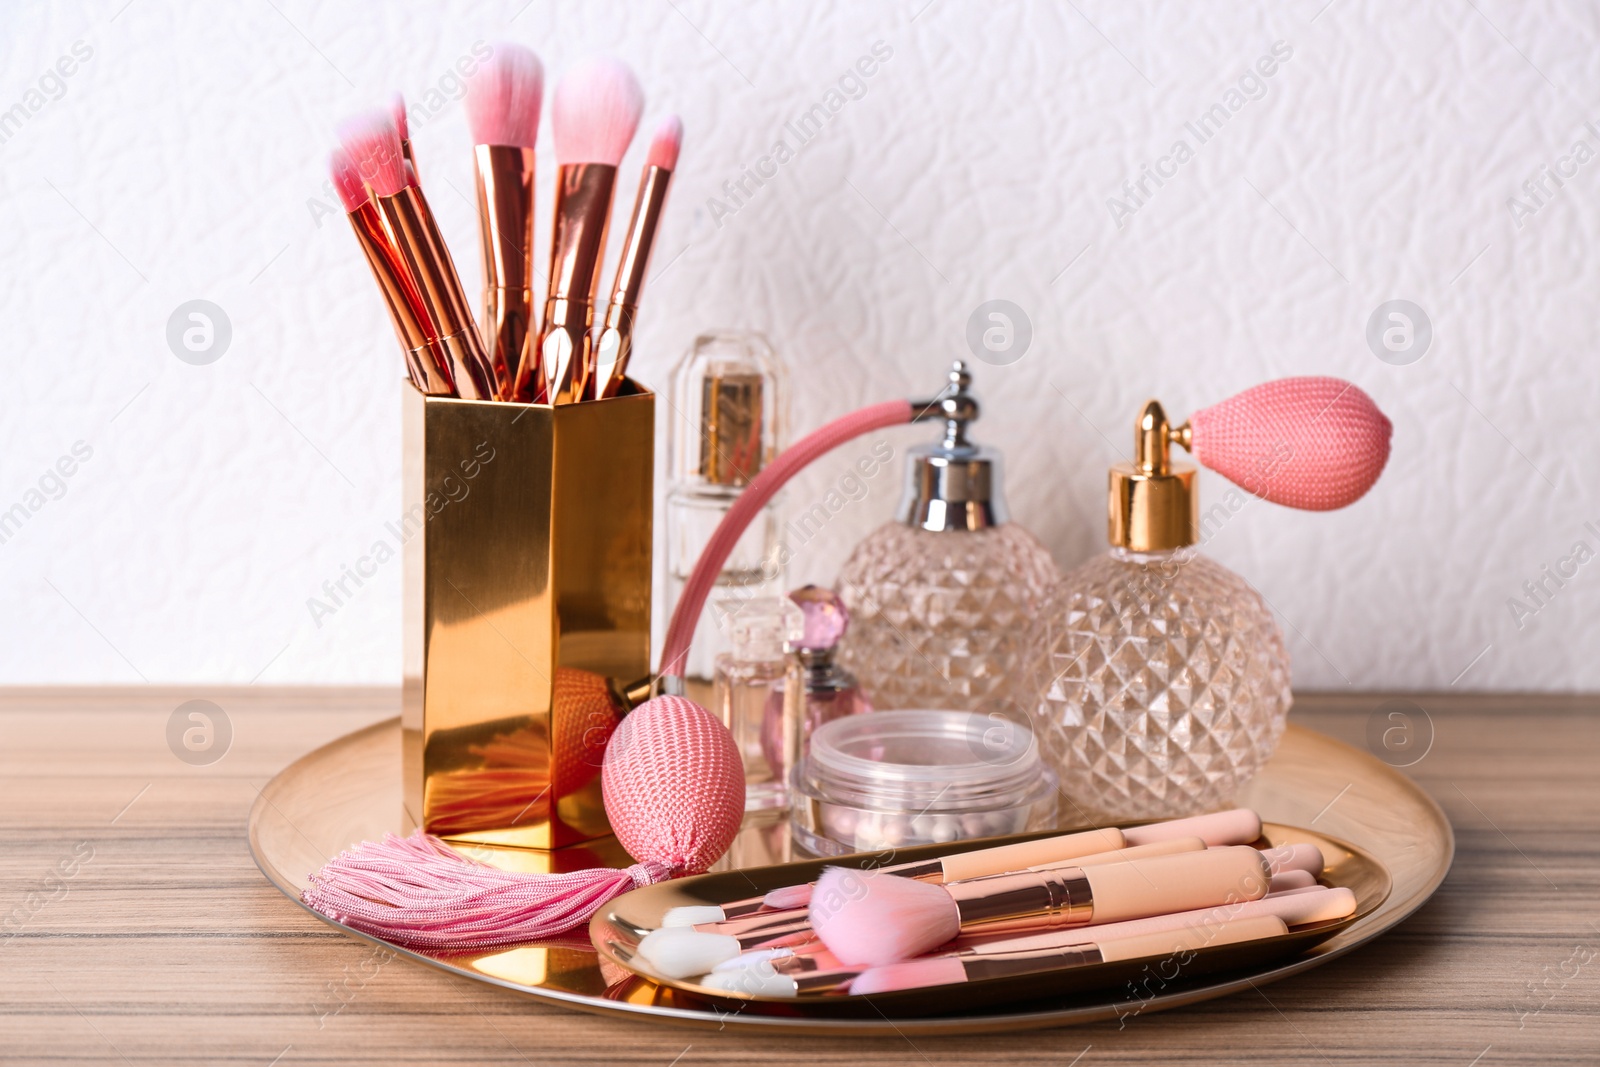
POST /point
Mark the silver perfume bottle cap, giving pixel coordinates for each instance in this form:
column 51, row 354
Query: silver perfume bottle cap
column 953, row 484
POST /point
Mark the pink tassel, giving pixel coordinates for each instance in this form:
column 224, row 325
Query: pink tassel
column 415, row 891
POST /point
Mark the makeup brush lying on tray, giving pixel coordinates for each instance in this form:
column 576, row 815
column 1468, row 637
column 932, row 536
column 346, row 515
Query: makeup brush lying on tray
column 813, row 968
column 682, row 952
column 1238, row 826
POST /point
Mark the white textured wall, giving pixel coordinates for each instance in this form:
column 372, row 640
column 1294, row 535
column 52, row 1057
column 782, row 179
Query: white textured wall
column 183, row 159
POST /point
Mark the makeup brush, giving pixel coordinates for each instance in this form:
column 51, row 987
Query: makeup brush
column 1237, row 826
column 762, row 926
column 812, row 968
column 402, row 126
column 955, row 970
column 870, row 919
column 373, row 145
column 791, row 930
column 406, row 311
column 595, row 113
column 502, row 102
column 616, row 336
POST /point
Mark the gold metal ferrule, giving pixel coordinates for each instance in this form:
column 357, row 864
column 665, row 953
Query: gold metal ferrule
column 922, row 870
column 615, row 344
column 505, row 177
column 612, row 350
column 577, row 245
column 463, row 353
column 1152, row 505
column 1013, row 964
column 1025, row 900
column 761, row 927
column 813, row 982
column 409, row 220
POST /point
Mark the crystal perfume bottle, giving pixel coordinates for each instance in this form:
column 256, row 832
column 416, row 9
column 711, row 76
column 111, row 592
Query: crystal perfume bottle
column 728, row 398
column 818, row 690
column 749, row 677
column 941, row 597
column 1161, row 677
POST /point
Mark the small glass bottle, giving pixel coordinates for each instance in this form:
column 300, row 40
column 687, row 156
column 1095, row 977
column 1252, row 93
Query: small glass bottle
column 748, row 677
column 817, row 690
column 942, row 596
column 1160, row 677
column 728, row 408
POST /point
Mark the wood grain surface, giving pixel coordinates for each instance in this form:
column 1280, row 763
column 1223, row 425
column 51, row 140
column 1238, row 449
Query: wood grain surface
column 135, row 928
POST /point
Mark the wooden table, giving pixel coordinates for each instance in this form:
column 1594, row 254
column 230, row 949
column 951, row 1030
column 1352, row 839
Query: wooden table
column 136, row 928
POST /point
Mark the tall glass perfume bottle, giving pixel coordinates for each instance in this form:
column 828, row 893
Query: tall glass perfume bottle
column 729, row 401
column 818, row 690
column 748, row 677
column 1160, row 677
column 942, row 595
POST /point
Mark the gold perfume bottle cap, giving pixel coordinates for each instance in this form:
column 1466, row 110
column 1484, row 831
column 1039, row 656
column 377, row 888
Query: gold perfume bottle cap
column 1153, row 506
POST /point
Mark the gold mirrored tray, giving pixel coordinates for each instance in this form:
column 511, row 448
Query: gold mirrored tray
column 349, row 791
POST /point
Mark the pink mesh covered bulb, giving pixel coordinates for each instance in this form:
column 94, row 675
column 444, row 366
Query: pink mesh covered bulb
column 1310, row 443
column 674, row 785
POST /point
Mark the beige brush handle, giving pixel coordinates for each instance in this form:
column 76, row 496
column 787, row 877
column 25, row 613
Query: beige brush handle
column 1239, row 826
column 1182, row 882
column 1030, row 853
column 1123, row 855
column 1192, row 939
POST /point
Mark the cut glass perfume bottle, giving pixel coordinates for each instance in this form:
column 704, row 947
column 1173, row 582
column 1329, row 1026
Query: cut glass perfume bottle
column 1160, row 677
column 940, row 598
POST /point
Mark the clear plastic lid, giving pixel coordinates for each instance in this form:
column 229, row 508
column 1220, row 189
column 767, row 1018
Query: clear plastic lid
column 924, row 760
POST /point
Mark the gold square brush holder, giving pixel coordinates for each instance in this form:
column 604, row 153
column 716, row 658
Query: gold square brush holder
column 527, row 535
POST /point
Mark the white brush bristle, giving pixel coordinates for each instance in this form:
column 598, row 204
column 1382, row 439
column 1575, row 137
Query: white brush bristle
column 868, row 919
column 346, row 182
column 373, row 146
column 596, row 111
column 668, row 140
column 397, row 110
column 680, row 952
column 760, row 981
column 504, row 97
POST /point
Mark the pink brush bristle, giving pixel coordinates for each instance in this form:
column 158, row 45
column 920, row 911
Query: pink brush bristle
column 913, row 974
column 668, row 140
column 868, row 919
column 790, row 896
column 397, row 110
column 596, row 111
column 1311, row 443
column 504, row 98
column 372, row 144
column 346, row 180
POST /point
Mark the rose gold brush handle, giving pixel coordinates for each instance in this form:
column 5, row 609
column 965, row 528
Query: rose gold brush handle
column 505, row 223
column 412, row 324
column 615, row 345
column 577, row 244
column 407, row 216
